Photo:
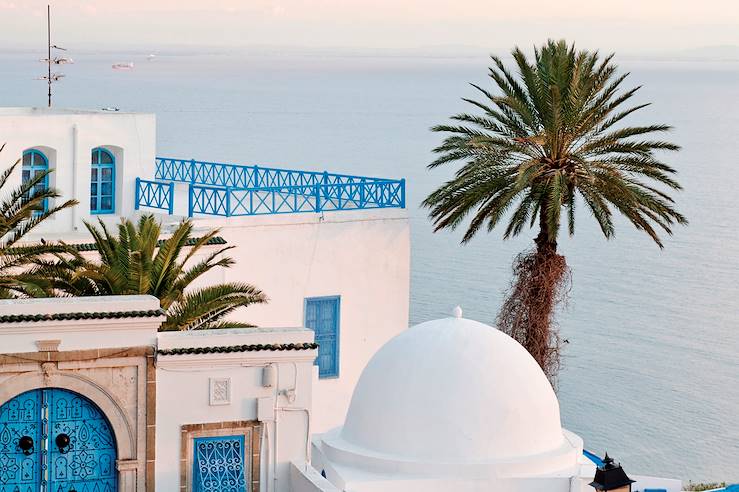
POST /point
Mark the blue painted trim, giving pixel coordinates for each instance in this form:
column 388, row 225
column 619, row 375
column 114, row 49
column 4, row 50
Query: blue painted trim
column 137, row 197
column 49, row 412
column 154, row 194
column 34, row 153
column 226, row 468
column 189, row 200
column 337, row 364
column 230, row 190
column 592, row 457
column 100, row 166
column 402, row 193
column 171, row 197
column 219, row 174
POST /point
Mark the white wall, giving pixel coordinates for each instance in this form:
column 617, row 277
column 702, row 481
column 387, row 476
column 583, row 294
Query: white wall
column 644, row 482
column 305, row 478
column 20, row 337
column 363, row 256
column 67, row 137
column 183, row 396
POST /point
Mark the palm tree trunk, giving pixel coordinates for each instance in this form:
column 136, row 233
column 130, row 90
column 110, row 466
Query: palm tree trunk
column 540, row 280
column 545, row 244
column 545, row 277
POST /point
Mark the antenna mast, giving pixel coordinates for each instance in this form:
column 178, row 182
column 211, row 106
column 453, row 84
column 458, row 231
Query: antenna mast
column 50, row 78
column 48, row 44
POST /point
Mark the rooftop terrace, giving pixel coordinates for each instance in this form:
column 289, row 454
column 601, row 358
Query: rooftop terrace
column 218, row 189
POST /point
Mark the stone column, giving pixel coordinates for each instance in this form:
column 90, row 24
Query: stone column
column 127, row 475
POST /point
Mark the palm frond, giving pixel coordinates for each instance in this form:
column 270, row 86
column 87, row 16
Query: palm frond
column 137, row 261
column 547, row 134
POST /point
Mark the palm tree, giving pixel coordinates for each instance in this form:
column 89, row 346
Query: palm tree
column 547, row 140
column 136, row 261
column 20, row 212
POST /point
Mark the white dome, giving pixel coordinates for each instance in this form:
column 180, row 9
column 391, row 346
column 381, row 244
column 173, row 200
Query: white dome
column 453, row 391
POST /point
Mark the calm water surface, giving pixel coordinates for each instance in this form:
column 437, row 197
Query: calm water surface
column 651, row 372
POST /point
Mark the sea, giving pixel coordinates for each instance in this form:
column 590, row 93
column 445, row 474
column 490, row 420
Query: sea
column 651, row 370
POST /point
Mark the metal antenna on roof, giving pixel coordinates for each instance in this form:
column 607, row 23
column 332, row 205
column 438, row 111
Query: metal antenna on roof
column 56, row 60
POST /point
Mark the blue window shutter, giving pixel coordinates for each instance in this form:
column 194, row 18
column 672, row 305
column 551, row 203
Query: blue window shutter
column 102, row 182
column 322, row 316
column 218, row 464
column 35, row 162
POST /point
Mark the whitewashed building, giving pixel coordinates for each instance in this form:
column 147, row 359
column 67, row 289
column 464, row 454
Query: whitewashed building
column 456, row 405
column 93, row 398
column 332, row 393
column 331, row 251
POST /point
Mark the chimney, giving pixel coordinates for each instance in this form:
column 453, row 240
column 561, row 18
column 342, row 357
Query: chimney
column 611, row 477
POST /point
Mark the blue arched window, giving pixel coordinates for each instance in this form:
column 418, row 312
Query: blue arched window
column 102, row 182
column 35, row 162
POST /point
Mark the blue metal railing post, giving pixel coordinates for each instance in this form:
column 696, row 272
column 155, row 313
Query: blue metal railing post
column 137, row 194
column 402, row 193
column 362, row 190
column 228, row 202
column 317, row 193
column 256, row 176
column 189, row 200
column 192, row 172
column 171, row 197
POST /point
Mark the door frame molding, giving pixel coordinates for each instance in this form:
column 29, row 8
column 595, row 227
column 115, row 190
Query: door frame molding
column 130, row 429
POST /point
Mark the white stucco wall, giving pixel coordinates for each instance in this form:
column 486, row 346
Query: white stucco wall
column 183, row 397
column 305, row 478
column 644, row 482
column 363, row 256
column 67, row 138
column 79, row 334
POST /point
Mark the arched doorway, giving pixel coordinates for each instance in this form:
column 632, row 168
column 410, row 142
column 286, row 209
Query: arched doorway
column 55, row 440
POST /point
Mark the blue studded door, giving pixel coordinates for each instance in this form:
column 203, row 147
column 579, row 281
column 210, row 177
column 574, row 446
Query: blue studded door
column 53, row 440
column 20, row 443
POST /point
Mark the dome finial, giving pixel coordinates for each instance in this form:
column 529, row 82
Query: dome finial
column 457, row 312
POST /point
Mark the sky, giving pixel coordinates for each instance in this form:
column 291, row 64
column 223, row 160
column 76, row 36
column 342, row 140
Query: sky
column 632, row 26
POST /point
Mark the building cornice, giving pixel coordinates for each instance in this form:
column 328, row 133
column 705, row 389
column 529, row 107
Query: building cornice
column 198, row 358
column 82, row 316
column 273, row 347
column 214, row 241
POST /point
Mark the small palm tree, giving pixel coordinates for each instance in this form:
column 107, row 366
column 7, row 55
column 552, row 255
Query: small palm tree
column 547, row 140
column 20, row 212
column 136, row 261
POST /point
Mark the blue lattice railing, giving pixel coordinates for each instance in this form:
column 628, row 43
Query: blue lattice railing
column 154, row 194
column 240, row 176
column 232, row 190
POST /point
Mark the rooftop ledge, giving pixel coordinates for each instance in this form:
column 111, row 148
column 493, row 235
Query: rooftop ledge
column 71, row 306
column 232, row 190
column 233, row 337
column 44, row 111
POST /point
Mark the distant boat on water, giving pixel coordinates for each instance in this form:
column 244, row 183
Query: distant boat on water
column 123, row 66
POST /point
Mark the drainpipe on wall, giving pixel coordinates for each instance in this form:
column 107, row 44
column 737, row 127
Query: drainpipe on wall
column 275, row 448
column 74, row 174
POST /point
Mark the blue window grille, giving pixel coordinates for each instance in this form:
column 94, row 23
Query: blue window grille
column 102, row 182
column 35, row 163
column 322, row 316
column 218, row 464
